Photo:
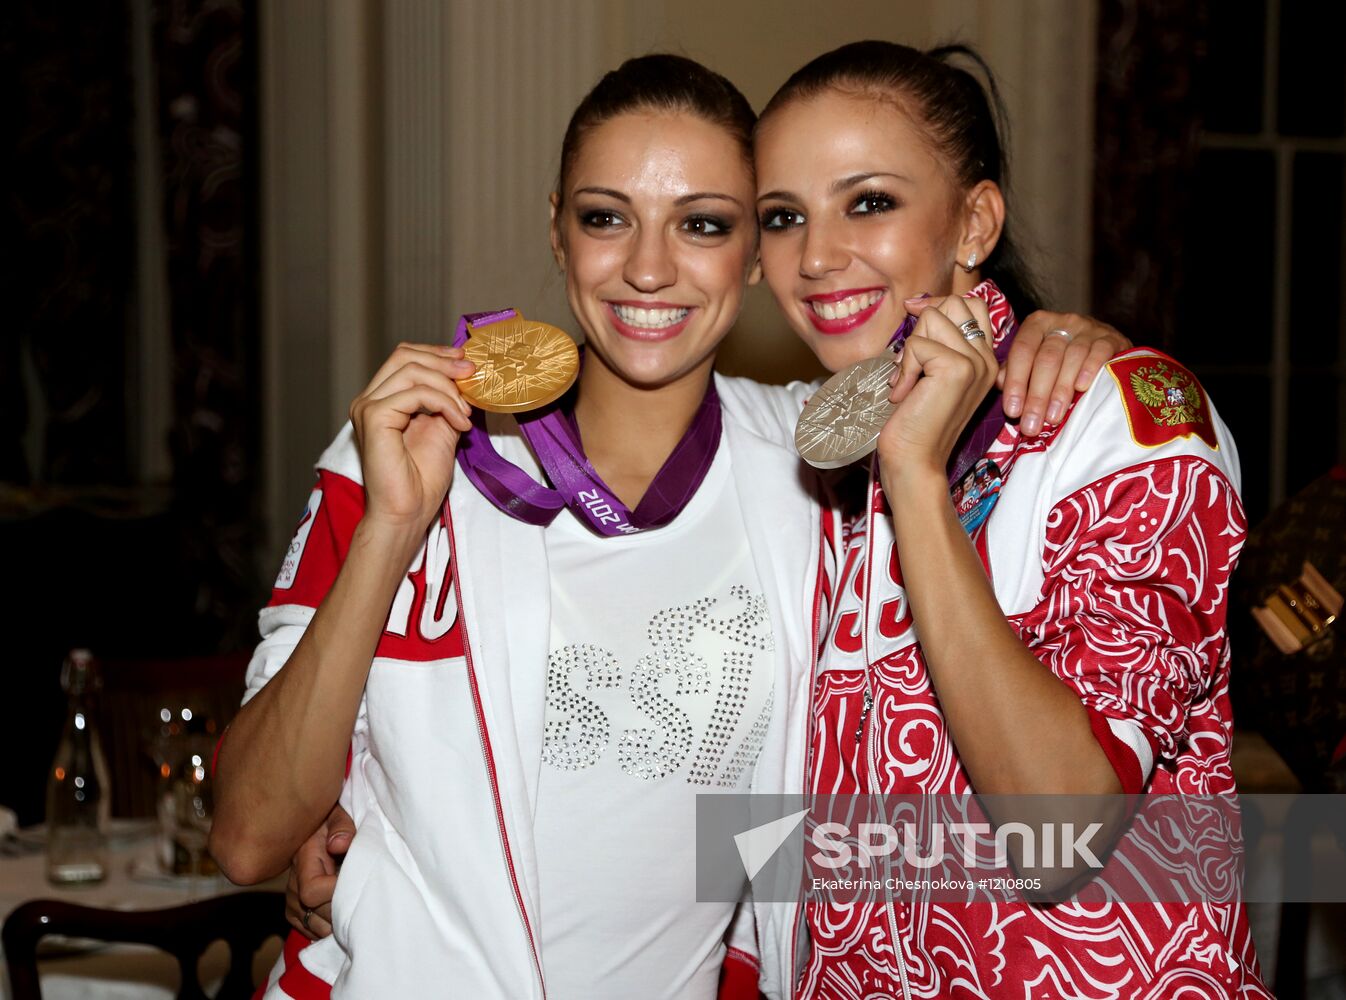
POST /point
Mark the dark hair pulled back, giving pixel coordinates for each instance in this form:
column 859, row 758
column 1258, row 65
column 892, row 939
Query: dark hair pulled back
column 660, row 82
column 963, row 118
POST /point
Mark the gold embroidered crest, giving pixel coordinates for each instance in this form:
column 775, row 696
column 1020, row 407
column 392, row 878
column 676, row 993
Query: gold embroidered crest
column 1163, row 400
column 1170, row 394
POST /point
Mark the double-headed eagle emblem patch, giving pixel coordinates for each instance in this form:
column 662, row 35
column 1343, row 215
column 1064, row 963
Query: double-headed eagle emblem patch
column 1170, row 393
column 1163, row 400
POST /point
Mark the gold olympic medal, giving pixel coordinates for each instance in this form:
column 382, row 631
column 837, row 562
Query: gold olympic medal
column 521, row 365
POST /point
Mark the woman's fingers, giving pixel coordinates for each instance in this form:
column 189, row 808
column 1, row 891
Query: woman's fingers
column 1067, row 382
column 927, row 356
column 416, row 373
column 311, row 882
column 981, row 312
column 320, row 923
column 294, row 910
column 311, row 899
column 315, row 896
column 1054, row 356
column 412, row 376
column 405, row 353
column 958, row 311
column 1109, row 343
column 1046, row 355
column 397, row 409
column 944, row 323
column 439, row 356
column 1042, row 404
column 940, row 380
column 441, row 372
column 407, row 424
column 1018, row 367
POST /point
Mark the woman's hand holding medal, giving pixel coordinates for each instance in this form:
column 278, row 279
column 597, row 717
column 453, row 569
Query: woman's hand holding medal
column 946, row 368
column 407, row 424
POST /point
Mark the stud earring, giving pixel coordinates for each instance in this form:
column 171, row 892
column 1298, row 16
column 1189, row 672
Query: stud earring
column 971, row 262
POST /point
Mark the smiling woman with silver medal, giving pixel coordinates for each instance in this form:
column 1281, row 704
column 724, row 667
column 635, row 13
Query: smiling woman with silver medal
column 613, row 608
column 1016, row 616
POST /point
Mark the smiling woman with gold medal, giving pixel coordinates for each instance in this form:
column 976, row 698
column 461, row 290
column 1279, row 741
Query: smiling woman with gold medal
column 518, row 678
column 607, row 615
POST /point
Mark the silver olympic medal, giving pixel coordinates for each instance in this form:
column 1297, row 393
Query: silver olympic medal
column 840, row 424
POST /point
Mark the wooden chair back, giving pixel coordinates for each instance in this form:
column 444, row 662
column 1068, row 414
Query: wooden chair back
column 243, row 920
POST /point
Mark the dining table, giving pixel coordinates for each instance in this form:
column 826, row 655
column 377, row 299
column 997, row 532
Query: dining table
column 95, row 970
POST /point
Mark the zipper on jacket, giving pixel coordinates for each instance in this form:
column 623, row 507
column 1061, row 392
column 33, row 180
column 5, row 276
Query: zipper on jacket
column 486, row 755
column 806, row 783
column 899, row 952
column 864, row 710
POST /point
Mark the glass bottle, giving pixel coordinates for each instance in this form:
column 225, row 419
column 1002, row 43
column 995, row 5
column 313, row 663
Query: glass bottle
column 77, row 787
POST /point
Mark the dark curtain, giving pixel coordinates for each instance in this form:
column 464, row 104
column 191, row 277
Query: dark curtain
column 69, row 243
column 1147, row 128
column 95, row 557
column 205, row 52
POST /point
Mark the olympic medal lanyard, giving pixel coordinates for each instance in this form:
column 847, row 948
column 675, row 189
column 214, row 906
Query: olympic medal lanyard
column 555, row 439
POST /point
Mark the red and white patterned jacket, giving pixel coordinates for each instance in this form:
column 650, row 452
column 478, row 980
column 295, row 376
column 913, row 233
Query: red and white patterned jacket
column 1110, row 550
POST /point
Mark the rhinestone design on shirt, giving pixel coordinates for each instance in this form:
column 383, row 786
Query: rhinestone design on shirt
column 578, row 730
column 579, row 733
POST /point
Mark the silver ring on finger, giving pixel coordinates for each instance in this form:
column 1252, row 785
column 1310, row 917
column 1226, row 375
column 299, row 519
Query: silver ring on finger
column 1058, row 332
column 308, row 912
column 970, row 330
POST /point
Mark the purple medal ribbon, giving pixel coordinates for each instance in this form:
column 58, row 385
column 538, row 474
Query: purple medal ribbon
column 989, row 418
column 555, row 439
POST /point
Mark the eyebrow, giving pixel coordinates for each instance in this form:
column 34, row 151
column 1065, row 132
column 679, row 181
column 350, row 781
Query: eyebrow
column 683, row 200
column 836, row 187
column 605, row 192
column 846, row 183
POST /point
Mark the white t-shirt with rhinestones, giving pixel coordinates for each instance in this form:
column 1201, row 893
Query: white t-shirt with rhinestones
column 659, row 687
